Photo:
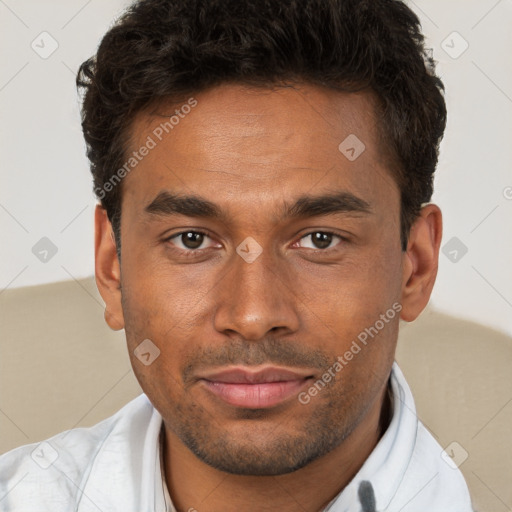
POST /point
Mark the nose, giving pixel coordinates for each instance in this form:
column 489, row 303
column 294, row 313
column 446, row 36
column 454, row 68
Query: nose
column 255, row 299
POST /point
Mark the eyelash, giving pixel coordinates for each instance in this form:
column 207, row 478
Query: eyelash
column 188, row 253
column 195, row 252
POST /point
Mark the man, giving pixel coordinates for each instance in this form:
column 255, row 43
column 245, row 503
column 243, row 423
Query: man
column 264, row 171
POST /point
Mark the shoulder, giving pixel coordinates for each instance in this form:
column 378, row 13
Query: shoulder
column 432, row 479
column 51, row 473
column 429, row 478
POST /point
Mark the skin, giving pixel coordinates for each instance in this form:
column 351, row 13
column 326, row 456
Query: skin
column 252, row 152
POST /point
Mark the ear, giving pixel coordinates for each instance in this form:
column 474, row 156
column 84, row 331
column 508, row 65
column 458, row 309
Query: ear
column 107, row 269
column 420, row 262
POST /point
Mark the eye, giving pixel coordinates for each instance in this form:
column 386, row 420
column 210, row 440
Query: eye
column 189, row 240
column 319, row 240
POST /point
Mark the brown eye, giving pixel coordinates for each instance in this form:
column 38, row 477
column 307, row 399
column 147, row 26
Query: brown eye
column 318, row 240
column 321, row 240
column 192, row 239
column 189, row 241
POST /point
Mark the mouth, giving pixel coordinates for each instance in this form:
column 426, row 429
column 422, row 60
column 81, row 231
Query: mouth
column 250, row 389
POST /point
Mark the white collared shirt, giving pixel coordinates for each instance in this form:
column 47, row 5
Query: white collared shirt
column 116, row 466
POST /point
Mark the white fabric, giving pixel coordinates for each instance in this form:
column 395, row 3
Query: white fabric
column 115, row 466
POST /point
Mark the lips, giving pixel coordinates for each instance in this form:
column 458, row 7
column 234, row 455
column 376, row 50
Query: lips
column 255, row 389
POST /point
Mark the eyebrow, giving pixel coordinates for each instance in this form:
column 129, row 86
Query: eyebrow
column 168, row 204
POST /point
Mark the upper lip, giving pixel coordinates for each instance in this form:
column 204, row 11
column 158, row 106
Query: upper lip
column 245, row 375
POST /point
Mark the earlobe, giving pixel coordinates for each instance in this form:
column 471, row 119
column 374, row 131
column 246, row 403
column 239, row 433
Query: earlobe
column 116, row 323
column 420, row 262
column 107, row 270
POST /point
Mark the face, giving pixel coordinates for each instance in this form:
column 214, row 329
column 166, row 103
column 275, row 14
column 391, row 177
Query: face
column 254, row 254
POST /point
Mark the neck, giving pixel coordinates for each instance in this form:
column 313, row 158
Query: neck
column 196, row 486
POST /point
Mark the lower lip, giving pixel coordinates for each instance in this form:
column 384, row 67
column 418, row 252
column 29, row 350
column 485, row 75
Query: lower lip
column 255, row 396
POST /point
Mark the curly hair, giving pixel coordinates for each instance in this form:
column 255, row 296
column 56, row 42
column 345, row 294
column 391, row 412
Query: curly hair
column 164, row 50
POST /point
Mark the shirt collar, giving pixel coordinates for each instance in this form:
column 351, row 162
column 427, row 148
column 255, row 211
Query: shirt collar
column 385, row 468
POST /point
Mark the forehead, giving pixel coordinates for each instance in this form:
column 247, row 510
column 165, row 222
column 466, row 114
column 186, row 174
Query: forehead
column 238, row 143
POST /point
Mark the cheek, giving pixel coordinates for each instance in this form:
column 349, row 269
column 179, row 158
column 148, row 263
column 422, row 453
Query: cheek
column 164, row 293
column 165, row 306
column 156, row 342
column 347, row 316
column 347, row 298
